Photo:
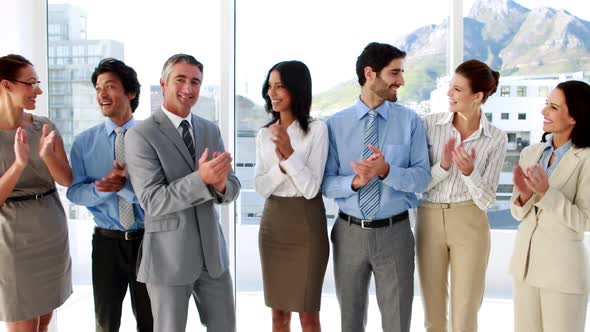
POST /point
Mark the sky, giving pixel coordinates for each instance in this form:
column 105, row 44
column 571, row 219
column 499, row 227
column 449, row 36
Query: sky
column 328, row 38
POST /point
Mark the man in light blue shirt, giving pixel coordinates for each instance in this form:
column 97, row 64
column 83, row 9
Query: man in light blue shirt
column 100, row 183
column 377, row 161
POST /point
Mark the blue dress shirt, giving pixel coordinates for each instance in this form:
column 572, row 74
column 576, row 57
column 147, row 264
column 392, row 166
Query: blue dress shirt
column 92, row 157
column 402, row 140
column 548, row 150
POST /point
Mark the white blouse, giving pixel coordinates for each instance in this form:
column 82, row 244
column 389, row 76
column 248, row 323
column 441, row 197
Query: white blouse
column 452, row 186
column 304, row 168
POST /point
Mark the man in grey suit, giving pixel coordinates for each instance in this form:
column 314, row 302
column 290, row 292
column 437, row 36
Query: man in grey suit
column 183, row 250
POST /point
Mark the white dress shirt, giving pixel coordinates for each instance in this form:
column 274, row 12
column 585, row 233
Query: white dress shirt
column 304, row 168
column 452, row 186
column 176, row 120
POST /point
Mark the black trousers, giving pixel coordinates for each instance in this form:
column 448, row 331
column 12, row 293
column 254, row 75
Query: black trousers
column 113, row 270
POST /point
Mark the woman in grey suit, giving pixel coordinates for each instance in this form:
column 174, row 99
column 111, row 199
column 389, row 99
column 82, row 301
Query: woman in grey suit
column 552, row 200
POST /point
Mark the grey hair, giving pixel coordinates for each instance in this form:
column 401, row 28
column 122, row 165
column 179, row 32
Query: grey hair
column 178, row 58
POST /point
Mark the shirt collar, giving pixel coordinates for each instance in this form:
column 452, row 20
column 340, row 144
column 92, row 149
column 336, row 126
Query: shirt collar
column 175, row 119
column 560, row 151
column 110, row 126
column 362, row 109
column 484, row 124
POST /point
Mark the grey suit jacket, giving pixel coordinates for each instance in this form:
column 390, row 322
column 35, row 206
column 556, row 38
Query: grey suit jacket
column 549, row 249
column 182, row 231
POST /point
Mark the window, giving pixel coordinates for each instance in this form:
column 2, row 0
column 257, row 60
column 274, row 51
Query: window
column 543, row 91
column 94, row 34
column 505, row 91
column 504, row 116
column 489, row 116
column 521, row 116
column 521, row 91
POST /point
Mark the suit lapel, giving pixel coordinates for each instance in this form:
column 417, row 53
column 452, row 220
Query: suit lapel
column 532, row 158
column 169, row 131
column 565, row 168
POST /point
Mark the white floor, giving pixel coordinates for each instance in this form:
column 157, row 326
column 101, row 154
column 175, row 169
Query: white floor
column 77, row 314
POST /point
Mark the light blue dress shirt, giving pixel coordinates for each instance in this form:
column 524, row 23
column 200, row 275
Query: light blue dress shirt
column 402, row 140
column 548, row 150
column 92, row 156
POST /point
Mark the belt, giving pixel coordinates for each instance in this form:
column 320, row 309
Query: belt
column 119, row 235
column 30, row 197
column 446, row 205
column 374, row 223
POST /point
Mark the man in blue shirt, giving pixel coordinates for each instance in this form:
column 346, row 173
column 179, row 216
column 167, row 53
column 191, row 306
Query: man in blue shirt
column 100, row 183
column 378, row 159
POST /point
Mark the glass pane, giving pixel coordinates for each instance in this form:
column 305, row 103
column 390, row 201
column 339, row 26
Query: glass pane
column 143, row 34
column 269, row 32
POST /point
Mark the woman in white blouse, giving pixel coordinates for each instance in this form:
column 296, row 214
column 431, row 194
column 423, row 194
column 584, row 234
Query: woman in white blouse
column 291, row 151
column 466, row 154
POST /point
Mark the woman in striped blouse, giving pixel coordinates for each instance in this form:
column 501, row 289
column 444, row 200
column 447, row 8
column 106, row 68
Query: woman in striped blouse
column 466, row 156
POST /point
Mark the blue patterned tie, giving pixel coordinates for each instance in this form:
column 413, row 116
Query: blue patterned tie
column 369, row 193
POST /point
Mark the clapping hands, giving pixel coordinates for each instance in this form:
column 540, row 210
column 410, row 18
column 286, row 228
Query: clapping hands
column 366, row 169
column 532, row 180
column 214, row 172
column 459, row 156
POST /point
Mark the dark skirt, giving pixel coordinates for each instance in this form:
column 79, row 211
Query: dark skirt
column 294, row 251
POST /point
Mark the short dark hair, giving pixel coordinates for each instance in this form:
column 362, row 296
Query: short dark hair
column 377, row 56
column 178, row 58
column 480, row 76
column 296, row 78
column 577, row 98
column 126, row 74
column 10, row 65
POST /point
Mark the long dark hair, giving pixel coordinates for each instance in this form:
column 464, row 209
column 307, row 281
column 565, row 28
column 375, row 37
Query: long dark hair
column 296, row 78
column 577, row 98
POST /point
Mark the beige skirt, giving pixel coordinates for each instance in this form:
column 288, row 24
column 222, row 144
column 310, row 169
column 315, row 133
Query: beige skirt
column 294, row 250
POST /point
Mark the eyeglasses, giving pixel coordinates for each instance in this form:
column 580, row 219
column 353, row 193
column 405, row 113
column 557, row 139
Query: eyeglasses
column 34, row 85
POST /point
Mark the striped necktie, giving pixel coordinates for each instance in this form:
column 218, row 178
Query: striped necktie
column 369, row 193
column 126, row 215
column 188, row 138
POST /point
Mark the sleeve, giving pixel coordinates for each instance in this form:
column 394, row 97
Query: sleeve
column 335, row 185
column 266, row 179
column 415, row 178
column 307, row 174
column 483, row 186
column 232, row 184
column 82, row 191
column 559, row 209
column 520, row 212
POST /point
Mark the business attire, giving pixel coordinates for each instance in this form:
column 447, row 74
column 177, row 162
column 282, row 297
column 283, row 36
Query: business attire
column 379, row 241
column 452, row 227
column 549, row 262
column 115, row 246
column 35, row 263
column 293, row 236
column 183, row 250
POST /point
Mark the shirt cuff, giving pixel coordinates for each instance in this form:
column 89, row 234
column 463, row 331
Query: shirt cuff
column 439, row 173
column 293, row 165
column 473, row 180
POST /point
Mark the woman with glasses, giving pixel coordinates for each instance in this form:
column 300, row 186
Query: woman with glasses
column 291, row 152
column 35, row 266
column 551, row 200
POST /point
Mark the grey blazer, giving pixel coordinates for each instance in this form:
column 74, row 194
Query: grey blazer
column 182, row 231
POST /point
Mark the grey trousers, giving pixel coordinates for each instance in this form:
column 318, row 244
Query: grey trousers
column 387, row 253
column 213, row 297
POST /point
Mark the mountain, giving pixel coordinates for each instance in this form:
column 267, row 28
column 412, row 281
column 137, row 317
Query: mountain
column 507, row 36
column 549, row 40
